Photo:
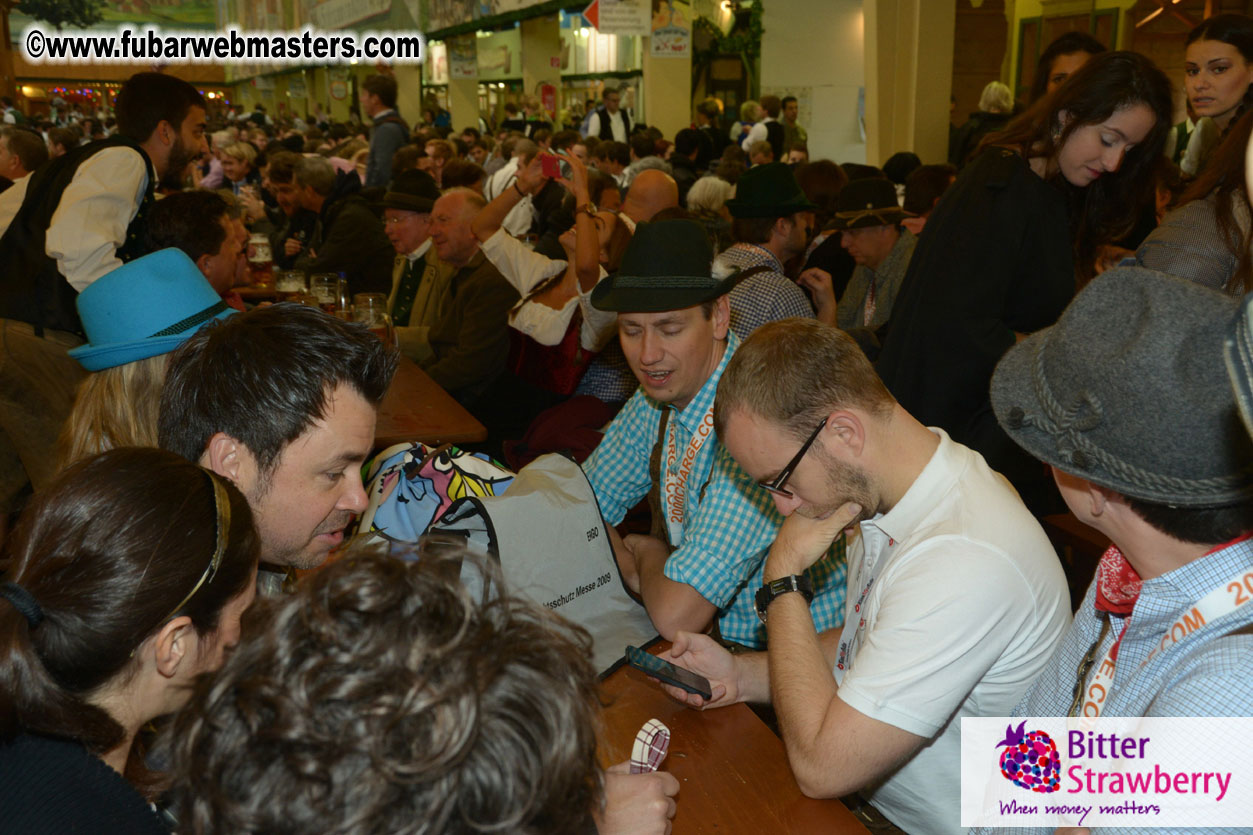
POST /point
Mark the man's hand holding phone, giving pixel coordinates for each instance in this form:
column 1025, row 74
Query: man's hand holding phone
column 703, row 656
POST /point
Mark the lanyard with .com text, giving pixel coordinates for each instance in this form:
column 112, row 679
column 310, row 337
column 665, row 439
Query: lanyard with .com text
column 1233, row 593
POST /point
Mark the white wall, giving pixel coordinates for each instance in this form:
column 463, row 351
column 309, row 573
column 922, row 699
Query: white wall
column 813, row 50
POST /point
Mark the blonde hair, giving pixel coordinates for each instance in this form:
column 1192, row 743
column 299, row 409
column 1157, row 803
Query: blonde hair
column 710, row 193
column 792, row 372
column 241, row 151
column 996, row 98
column 748, row 111
column 115, row 407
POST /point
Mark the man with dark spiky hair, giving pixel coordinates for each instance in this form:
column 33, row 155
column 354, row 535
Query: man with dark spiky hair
column 282, row 400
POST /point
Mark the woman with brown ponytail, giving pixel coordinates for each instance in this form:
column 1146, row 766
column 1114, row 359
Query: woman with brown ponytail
column 127, row 578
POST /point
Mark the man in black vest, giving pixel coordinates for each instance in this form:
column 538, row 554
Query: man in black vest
column 609, row 122
column 769, row 129
column 81, row 218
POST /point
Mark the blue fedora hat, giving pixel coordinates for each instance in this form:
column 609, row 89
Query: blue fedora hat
column 146, row 307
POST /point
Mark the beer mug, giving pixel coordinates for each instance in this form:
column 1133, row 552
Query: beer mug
column 370, row 309
column 290, row 284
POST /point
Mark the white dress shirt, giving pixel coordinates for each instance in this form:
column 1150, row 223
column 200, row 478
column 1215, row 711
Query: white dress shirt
column 90, row 222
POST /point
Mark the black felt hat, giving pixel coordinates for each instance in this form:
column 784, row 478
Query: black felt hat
column 768, row 190
column 868, row 202
column 411, row 191
column 667, row 266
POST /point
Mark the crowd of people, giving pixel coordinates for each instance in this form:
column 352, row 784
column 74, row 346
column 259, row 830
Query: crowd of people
column 823, row 409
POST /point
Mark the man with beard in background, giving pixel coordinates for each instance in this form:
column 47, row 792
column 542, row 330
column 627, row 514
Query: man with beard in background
column 82, row 217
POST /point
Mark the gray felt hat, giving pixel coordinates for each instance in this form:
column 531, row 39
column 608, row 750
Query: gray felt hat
column 1128, row 391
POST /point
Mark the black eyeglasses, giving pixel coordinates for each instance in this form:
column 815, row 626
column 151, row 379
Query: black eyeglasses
column 775, row 485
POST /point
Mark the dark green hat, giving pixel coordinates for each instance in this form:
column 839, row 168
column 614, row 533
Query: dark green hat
column 667, row 266
column 868, row 202
column 768, row 190
column 411, row 191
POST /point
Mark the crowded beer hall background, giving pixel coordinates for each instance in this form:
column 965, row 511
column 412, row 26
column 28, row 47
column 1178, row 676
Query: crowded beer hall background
column 643, row 416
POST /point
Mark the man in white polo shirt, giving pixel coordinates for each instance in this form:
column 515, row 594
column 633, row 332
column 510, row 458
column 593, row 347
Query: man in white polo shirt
column 955, row 597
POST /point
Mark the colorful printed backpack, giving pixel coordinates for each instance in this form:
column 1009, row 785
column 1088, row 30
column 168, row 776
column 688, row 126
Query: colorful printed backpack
column 411, row 486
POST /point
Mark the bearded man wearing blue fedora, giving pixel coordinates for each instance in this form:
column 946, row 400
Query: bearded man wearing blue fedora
column 133, row 317
column 712, row 524
column 82, row 216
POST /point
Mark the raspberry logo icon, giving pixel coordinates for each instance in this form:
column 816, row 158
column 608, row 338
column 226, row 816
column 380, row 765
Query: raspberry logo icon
column 1030, row 759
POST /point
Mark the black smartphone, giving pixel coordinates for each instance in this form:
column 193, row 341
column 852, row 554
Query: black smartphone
column 669, row 673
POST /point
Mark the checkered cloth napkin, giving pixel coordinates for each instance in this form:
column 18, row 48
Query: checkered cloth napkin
column 651, row 745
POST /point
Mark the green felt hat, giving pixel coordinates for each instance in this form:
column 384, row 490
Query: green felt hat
column 868, row 202
column 768, row 190
column 667, row 266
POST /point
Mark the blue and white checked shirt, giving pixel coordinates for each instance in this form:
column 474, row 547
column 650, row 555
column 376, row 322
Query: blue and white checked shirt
column 764, row 297
column 1209, row 673
column 731, row 521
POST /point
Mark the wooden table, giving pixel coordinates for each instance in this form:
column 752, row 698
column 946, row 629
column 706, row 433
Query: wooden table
column 253, row 293
column 732, row 771
column 417, row 409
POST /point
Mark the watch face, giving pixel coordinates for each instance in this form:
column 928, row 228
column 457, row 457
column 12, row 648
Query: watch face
column 762, row 600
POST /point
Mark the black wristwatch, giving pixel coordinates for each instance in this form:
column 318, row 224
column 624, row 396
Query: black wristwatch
column 795, row 582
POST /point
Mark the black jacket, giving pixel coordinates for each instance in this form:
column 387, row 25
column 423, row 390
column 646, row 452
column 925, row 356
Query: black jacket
column 966, row 141
column 685, row 174
column 349, row 238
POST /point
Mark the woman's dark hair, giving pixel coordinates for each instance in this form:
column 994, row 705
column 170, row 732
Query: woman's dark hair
column 926, row 185
column 1224, row 177
column 384, row 691
column 1105, row 210
column 821, row 181
column 107, row 552
column 900, row 165
column 1066, row 44
column 1235, row 30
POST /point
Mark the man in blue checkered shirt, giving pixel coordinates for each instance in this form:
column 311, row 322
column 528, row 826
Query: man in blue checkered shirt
column 712, row 524
column 1146, row 450
column 771, row 221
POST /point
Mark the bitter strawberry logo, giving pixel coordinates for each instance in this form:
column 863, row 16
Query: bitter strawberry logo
column 1030, row 759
